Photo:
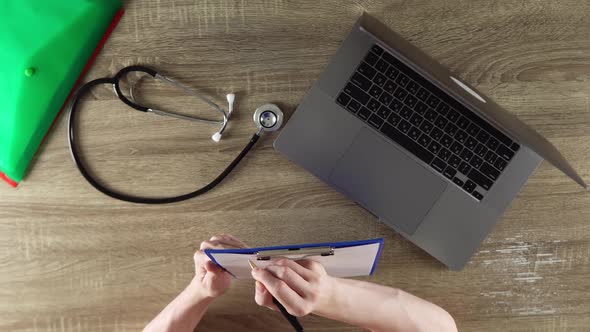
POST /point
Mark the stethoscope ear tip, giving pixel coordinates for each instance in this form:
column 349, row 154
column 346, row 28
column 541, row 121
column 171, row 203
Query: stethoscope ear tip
column 216, row 137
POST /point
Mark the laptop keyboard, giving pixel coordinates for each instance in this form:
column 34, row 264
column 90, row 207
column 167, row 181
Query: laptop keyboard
column 412, row 112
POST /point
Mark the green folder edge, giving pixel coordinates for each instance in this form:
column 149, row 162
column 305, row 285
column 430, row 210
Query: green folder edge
column 13, row 170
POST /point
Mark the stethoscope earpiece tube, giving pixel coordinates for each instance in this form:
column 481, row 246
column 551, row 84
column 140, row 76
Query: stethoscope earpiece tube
column 262, row 120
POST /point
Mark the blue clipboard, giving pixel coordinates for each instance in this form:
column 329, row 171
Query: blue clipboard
column 341, row 259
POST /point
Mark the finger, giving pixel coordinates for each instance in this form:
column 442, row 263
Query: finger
column 228, row 241
column 213, row 268
column 294, row 304
column 216, row 245
column 301, row 270
column 244, row 245
column 263, row 297
column 291, row 278
column 312, row 266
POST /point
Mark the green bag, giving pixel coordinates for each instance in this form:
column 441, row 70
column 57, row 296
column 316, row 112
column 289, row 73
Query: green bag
column 45, row 46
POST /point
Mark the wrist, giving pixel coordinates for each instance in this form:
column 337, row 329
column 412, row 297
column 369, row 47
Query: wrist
column 327, row 296
column 196, row 294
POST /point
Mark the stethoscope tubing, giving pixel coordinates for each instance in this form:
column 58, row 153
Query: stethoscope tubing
column 73, row 144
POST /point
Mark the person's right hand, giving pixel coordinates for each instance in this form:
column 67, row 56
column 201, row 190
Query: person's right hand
column 301, row 287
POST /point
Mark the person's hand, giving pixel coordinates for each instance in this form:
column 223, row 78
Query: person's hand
column 210, row 280
column 301, row 287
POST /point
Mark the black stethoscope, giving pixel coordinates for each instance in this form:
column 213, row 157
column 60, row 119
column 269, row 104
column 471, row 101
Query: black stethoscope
column 267, row 118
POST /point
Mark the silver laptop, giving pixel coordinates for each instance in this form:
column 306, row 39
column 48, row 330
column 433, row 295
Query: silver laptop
column 397, row 133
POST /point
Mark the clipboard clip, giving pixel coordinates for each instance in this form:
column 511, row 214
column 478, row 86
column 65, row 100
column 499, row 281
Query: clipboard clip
column 296, row 253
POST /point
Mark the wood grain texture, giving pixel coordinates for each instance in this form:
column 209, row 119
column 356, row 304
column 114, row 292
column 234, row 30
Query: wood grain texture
column 72, row 259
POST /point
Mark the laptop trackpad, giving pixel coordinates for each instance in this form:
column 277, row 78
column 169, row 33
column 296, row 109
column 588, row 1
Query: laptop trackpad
column 387, row 182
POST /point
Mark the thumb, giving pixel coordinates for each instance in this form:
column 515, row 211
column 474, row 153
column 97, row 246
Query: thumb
column 213, row 268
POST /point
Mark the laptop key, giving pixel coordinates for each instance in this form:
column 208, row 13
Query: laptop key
column 492, row 143
column 361, row 81
column 477, row 195
column 375, row 121
column 424, row 140
column 456, row 147
column 373, row 105
column 463, row 123
column 416, row 120
column 439, row 165
column 385, row 98
column 410, row 101
column 367, row 70
column 489, row 171
column 436, row 134
column 371, row 58
column 490, row 157
column 454, row 161
column 452, row 115
column 406, row 112
column 394, row 119
column 464, row 168
column 377, row 49
column 449, row 172
column 446, row 141
column 461, row 136
column 480, row 179
column 434, row 147
column 356, row 93
column 482, row 136
column 504, row 152
column 413, row 87
column 407, row 143
column 480, row 150
column 343, row 99
column 458, row 182
column 433, row 101
column 430, row 114
column 391, row 73
column 500, row 164
column 441, row 121
column 364, row 113
column 421, row 108
column 400, row 93
column 389, row 86
column 396, row 105
column 423, row 94
column 375, row 91
column 354, row 106
column 466, row 154
column 442, row 108
column 471, row 143
column 469, row 186
column 383, row 112
column 426, row 127
column 380, row 79
column 514, row 147
column 444, row 154
column 473, row 129
column 381, row 65
column 404, row 126
column 402, row 80
column 414, row 133
column 476, row 161
column 451, row 129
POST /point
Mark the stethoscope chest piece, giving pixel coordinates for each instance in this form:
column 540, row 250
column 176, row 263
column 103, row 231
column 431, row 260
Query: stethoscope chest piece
column 268, row 117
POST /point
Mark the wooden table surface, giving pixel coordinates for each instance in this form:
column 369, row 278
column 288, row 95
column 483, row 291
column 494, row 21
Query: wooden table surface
column 72, row 259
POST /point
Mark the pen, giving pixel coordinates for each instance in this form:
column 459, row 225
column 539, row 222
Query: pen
column 290, row 318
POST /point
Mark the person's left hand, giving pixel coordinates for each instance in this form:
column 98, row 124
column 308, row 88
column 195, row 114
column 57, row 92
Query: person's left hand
column 210, row 280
